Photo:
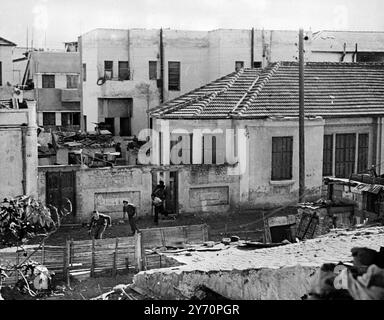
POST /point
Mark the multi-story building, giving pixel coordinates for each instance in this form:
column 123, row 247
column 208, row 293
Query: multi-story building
column 54, row 77
column 126, row 72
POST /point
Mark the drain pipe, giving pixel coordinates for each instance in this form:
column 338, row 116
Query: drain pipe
column 161, row 67
column 24, row 157
column 252, row 45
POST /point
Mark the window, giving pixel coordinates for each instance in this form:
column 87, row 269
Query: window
column 72, row 81
column 174, row 76
column 282, row 158
column 362, row 157
column 239, row 65
column 48, row 80
column 84, row 72
column 257, row 64
column 152, row 70
column 123, row 70
column 1, row 75
column 345, row 155
column 49, row 119
column 328, row 155
column 70, row 119
column 108, row 69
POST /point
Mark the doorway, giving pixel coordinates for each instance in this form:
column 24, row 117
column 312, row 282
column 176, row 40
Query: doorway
column 125, row 127
column 59, row 187
column 170, row 179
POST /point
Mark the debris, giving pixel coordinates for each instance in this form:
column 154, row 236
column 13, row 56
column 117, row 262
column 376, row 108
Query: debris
column 226, row 241
column 209, row 244
column 235, row 238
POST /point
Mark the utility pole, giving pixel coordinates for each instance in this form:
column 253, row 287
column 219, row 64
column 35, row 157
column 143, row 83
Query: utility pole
column 301, row 118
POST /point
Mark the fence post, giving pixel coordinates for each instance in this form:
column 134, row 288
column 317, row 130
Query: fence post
column 138, row 251
column 93, row 258
column 114, row 269
column 67, row 249
column 43, row 253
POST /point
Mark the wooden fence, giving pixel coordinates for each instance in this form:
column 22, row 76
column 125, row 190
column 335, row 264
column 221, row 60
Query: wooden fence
column 86, row 258
column 174, row 236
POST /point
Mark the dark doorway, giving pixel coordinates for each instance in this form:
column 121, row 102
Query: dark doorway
column 125, row 126
column 110, row 125
column 59, row 187
column 280, row 233
column 170, row 179
column 171, row 201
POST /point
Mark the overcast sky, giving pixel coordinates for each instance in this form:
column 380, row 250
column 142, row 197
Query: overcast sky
column 56, row 21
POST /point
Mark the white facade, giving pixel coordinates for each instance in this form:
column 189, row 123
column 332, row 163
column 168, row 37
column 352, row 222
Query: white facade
column 203, row 56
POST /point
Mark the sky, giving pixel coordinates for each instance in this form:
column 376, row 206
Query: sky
column 52, row 22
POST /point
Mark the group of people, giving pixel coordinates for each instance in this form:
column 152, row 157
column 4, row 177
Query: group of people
column 99, row 221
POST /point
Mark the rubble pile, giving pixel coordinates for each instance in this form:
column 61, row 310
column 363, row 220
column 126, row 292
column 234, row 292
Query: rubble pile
column 85, row 140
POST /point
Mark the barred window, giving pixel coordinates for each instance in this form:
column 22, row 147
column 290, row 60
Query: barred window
column 328, row 155
column 282, row 158
column 362, row 160
column 345, row 155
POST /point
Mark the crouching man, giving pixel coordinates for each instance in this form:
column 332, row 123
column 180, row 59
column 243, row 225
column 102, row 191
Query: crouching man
column 98, row 224
column 130, row 209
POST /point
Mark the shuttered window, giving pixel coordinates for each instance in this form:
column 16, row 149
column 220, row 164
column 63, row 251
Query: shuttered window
column 345, row 155
column 48, row 80
column 362, row 161
column 152, row 70
column 328, row 155
column 108, row 69
column 123, row 70
column 282, row 158
column 174, row 76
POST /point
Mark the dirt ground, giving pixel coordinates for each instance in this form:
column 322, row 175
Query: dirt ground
column 247, row 225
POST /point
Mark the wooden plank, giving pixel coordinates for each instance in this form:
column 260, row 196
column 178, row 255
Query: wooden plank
column 93, row 259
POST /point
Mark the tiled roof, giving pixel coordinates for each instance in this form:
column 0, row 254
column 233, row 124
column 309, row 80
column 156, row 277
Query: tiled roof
column 331, row 90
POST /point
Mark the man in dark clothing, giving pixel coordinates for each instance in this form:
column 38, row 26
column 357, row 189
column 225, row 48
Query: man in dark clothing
column 130, row 210
column 158, row 198
column 98, row 224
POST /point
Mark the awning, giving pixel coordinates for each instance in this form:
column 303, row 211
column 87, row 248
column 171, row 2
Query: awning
column 372, row 188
